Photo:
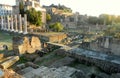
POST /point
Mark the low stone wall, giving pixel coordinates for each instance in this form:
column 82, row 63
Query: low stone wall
column 53, row 38
column 26, row 44
column 105, row 65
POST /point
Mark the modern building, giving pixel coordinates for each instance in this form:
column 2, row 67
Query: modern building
column 5, row 9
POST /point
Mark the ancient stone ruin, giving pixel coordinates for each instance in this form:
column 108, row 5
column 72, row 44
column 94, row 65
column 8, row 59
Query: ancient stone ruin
column 14, row 23
column 22, row 45
column 5, row 63
column 108, row 63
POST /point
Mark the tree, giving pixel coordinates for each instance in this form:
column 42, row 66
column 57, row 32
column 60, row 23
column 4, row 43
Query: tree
column 113, row 30
column 48, row 17
column 92, row 20
column 21, row 8
column 107, row 19
column 117, row 20
column 34, row 17
column 56, row 27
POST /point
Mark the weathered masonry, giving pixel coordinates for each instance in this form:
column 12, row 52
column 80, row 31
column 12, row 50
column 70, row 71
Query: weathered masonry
column 108, row 63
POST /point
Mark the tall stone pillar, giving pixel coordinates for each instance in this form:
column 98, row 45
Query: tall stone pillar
column 25, row 24
column 8, row 23
column 20, row 24
column 16, row 26
column 4, row 23
column 1, row 22
column 12, row 29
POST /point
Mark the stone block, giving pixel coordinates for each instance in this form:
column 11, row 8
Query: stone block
column 9, row 62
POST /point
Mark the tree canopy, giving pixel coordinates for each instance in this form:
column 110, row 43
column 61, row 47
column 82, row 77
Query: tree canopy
column 113, row 30
column 56, row 27
column 21, row 8
column 103, row 19
column 34, row 17
column 48, row 17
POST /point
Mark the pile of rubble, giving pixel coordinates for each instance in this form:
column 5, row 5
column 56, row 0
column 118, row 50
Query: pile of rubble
column 9, row 73
column 5, row 63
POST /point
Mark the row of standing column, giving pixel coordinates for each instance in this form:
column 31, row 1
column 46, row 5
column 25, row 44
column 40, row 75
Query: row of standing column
column 13, row 24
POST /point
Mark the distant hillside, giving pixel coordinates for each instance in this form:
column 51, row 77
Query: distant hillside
column 62, row 7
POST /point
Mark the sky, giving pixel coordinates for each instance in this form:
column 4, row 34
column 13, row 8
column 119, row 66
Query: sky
column 89, row 7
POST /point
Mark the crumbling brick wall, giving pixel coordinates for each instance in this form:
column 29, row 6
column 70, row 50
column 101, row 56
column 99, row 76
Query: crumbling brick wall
column 26, row 44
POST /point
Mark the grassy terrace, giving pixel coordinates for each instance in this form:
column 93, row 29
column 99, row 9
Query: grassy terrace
column 50, row 33
column 6, row 38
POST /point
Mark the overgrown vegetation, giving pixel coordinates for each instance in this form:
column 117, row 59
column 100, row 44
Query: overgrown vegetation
column 56, row 27
column 34, row 17
column 113, row 30
column 62, row 7
column 21, row 8
column 22, row 59
column 48, row 17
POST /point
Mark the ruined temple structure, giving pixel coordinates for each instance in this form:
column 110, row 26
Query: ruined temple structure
column 14, row 23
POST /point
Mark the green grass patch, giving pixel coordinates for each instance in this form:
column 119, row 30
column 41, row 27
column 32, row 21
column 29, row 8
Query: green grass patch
column 22, row 59
column 49, row 58
column 6, row 38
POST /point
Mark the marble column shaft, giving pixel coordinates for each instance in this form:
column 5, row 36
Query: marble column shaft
column 12, row 23
column 8, row 23
column 4, row 23
column 20, row 24
column 1, row 22
column 16, row 25
column 25, row 24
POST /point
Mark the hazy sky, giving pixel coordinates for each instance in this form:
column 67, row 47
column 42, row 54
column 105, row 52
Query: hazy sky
column 89, row 7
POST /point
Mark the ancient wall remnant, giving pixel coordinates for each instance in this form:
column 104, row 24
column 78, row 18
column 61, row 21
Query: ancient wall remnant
column 108, row 63
column 58, row 37
column 106, row 44
column 22, row 45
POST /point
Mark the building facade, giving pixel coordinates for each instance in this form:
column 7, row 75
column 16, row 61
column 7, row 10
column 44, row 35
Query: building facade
column 28, row 4
column 5, row 9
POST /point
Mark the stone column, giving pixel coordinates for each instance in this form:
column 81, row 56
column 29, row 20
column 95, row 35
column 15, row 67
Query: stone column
column 1, row 22
column 9, row 62
column 12, row 23
column 16, row 26
column 20, row 24
column 8, row 23
column 25, row 24
column 4, row 23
